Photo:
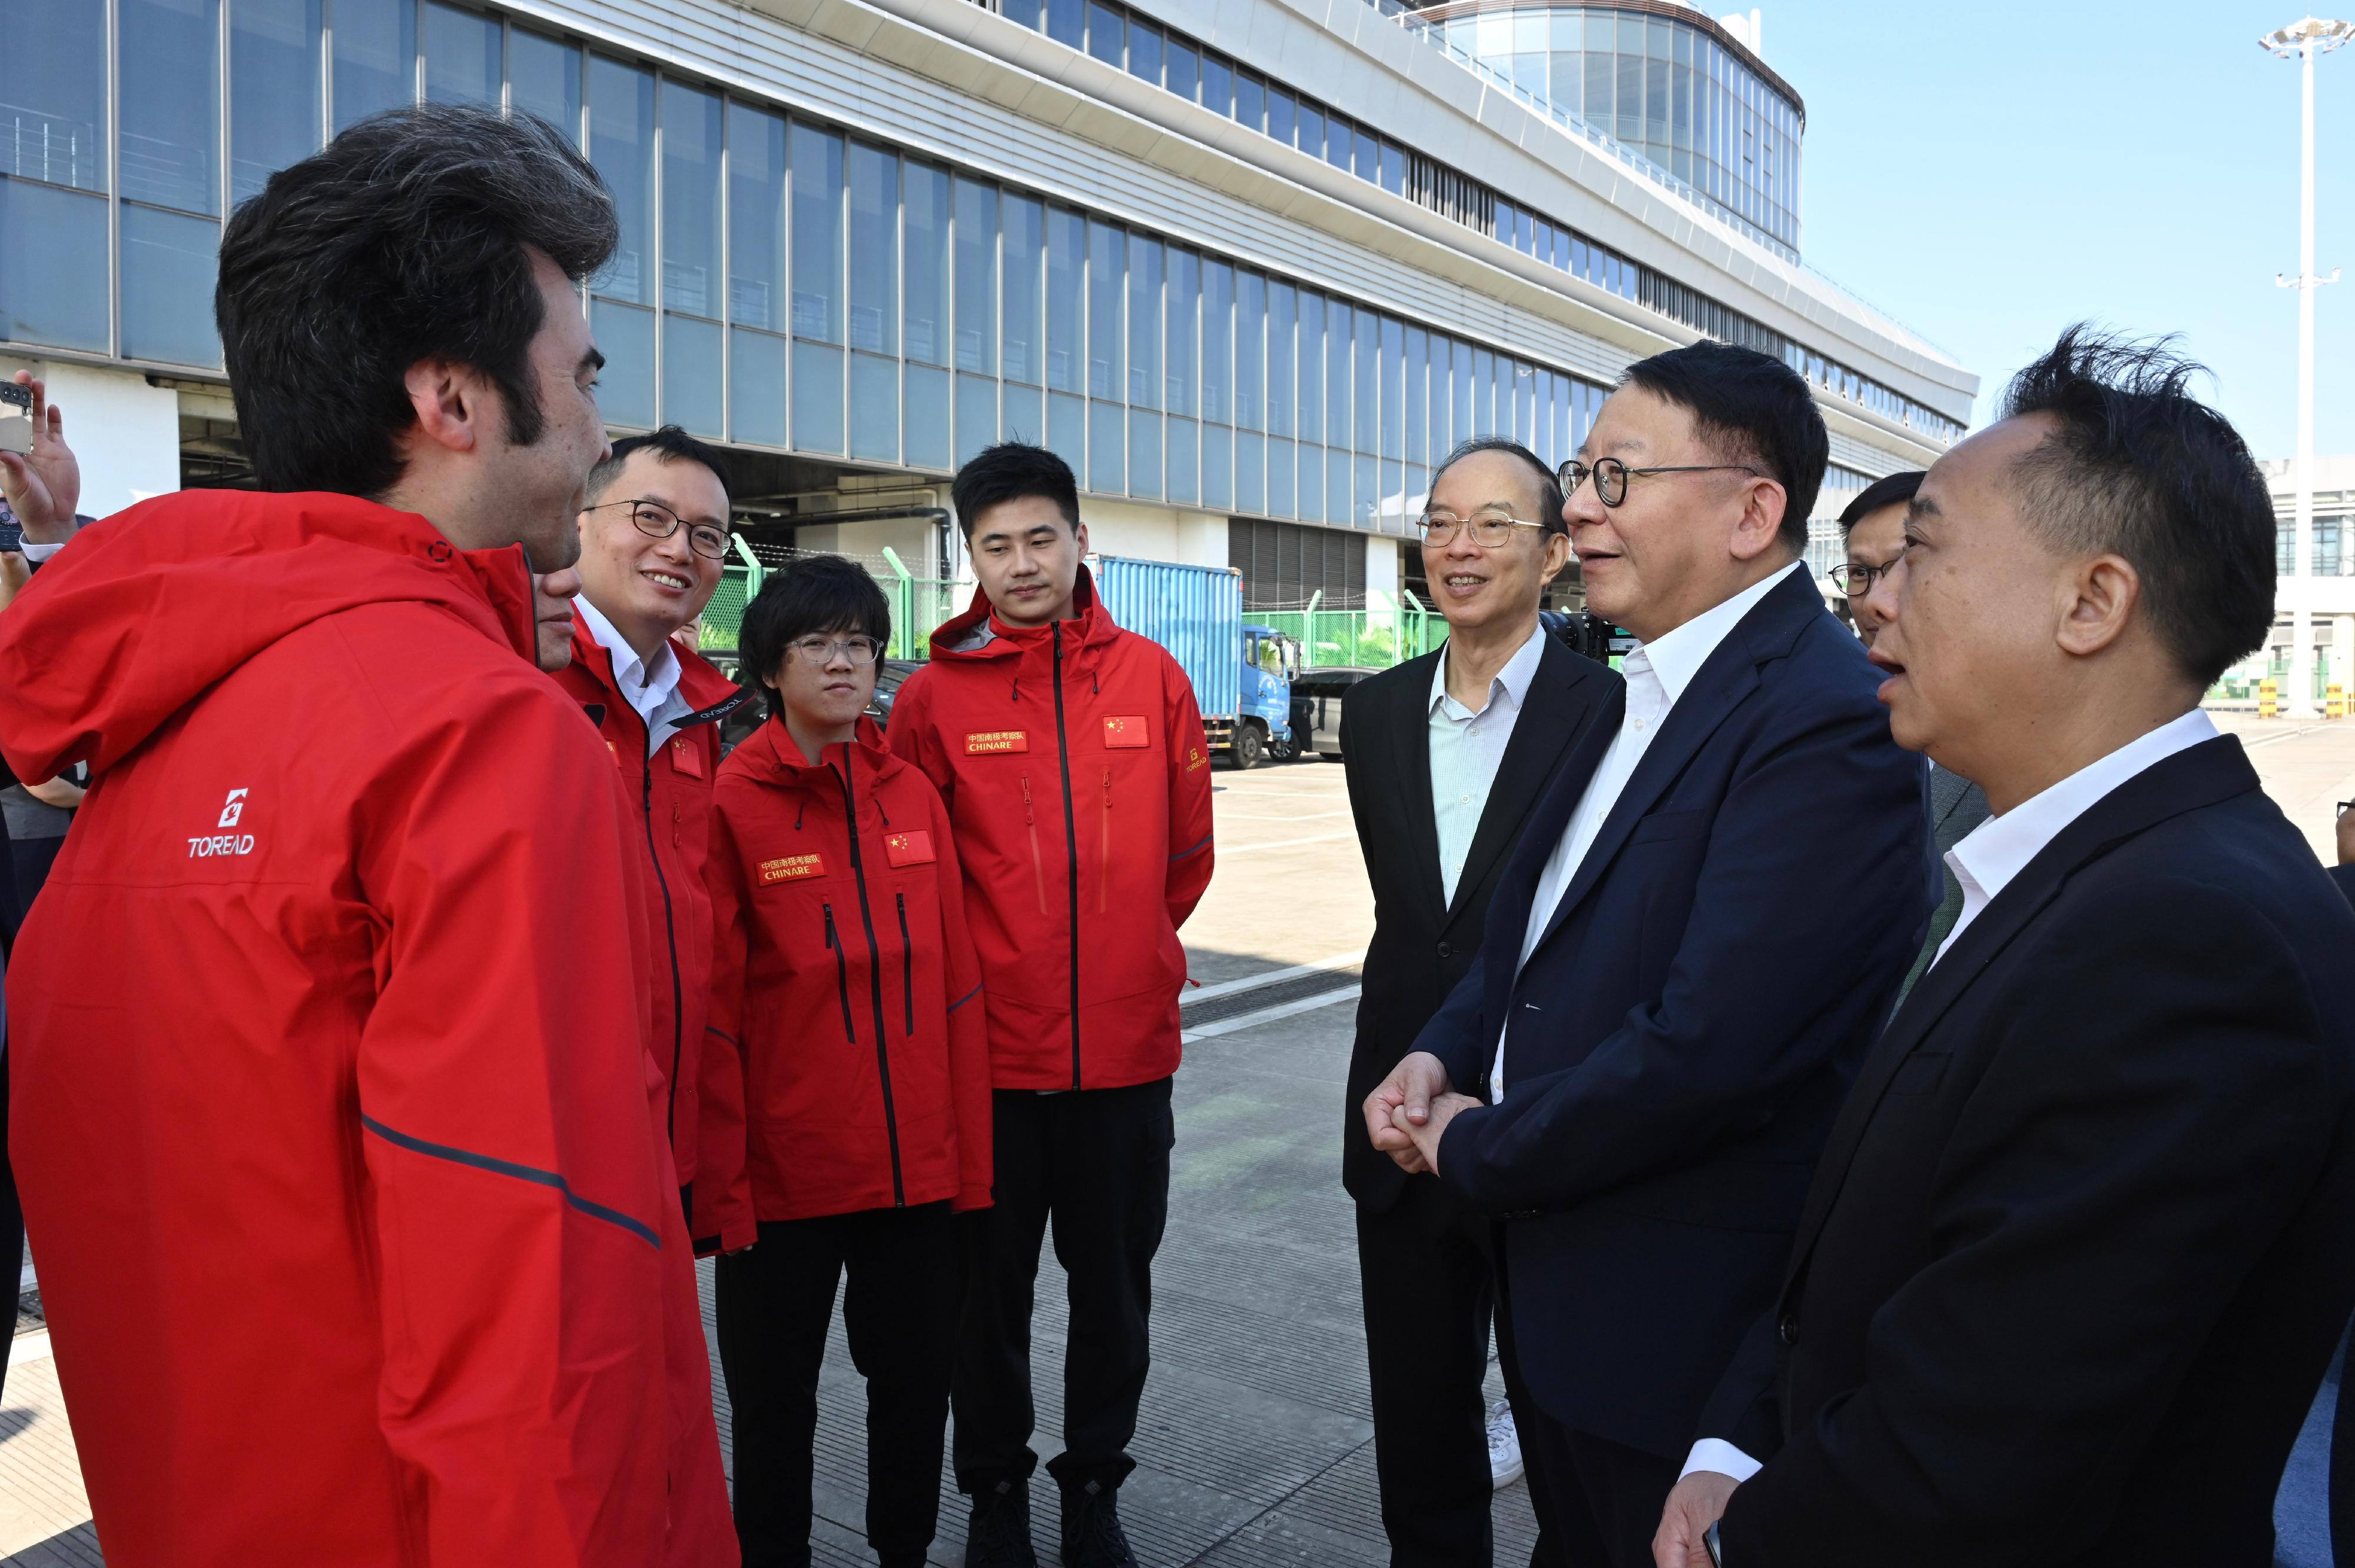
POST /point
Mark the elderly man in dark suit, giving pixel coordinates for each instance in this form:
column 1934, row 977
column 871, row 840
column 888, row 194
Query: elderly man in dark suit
column 1709, row 911
column 2075, row 1257
column 1446, row 753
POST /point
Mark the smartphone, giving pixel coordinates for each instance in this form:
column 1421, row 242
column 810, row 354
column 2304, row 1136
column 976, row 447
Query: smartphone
column 15, row 418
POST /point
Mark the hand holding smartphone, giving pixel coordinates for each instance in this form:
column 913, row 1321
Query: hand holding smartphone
column 16, row 419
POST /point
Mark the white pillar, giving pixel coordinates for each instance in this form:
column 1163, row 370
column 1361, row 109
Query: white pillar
column 2300, row 694
column 125, row 432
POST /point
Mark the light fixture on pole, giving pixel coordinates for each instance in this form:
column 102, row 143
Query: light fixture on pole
column 2303, row 40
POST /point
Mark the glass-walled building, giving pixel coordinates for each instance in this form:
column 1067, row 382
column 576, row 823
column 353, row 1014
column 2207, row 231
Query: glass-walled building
column 858, row 274
column 1662, row 78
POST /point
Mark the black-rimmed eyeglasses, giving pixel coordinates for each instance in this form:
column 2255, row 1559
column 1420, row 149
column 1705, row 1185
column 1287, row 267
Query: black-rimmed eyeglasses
column 657, row 521
column 1611, row 475
column 1856, row 579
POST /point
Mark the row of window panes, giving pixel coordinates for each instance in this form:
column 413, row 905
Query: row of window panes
column 1664, row 88
column 1181, row 65
column 174, row 186
column 2330, row 557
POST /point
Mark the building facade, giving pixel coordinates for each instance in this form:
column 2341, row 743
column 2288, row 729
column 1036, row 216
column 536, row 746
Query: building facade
column 1250, row 265
column 2325, row 591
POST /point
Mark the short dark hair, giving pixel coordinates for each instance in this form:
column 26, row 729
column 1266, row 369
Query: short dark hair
column 1752, row 408
column 669, row 442
column 1549, row 485
column 811, row 593
column 1010, row 471
column 405, row 237
column 1889, row 490
column 2140, row 468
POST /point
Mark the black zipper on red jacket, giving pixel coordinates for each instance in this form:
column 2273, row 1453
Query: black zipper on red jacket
column 874, row 979
column 1070, row 845
column 670, row 936
column 841, row 976
column 906, row 964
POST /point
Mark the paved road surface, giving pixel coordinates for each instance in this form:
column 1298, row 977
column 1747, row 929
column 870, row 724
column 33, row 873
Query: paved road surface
column 1255, row 1447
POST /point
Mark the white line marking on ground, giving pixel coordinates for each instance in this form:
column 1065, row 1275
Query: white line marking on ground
column 28, row 1347
column 1230, row 846
column 1270, row 1015
column 1273, row 976
column 1285, row 816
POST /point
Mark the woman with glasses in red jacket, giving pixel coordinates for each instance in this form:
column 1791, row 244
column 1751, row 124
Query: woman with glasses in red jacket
column 847, row 991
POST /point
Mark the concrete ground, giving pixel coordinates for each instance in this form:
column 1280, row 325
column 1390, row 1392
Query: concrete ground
column 1254, row 1448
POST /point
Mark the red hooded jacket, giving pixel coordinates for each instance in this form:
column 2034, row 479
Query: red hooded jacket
column 670, row 795
column 334, row 1133
column 845, row 972
column 1071, row 759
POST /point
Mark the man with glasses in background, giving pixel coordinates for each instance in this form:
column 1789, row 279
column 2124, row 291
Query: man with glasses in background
column 1708, row 911
column 653, row 539
column 1874, row 528
column 1446, row 755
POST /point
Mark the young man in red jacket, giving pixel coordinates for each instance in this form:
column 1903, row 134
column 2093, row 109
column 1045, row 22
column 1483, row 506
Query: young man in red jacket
column 1072, row 758
column 653, row 539
column 847, row 1002
column 300, row 1020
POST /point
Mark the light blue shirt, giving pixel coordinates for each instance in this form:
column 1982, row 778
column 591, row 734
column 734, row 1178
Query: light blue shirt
column 1466, row 746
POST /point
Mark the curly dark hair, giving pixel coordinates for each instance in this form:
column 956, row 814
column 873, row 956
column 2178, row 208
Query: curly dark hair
column 406, row 238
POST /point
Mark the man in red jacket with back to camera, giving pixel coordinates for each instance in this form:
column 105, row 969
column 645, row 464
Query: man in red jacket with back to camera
column 1071, row 755
column 335, row 1121
column 653, row 539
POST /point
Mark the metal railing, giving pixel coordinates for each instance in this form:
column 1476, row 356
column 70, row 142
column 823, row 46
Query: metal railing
column 1383, row 632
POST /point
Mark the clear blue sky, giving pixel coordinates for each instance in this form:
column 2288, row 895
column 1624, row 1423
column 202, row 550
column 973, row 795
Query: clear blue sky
column 1988, row 173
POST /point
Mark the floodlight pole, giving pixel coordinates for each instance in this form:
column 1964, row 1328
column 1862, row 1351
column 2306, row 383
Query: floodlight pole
column 2305, row 39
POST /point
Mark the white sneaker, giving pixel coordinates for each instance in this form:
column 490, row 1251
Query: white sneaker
column 1504, row 1446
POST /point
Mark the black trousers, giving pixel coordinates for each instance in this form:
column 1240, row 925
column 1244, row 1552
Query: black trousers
column 1095, row 1163
column 776, row 1302
column 1598, row 1502
column 1429, row 1291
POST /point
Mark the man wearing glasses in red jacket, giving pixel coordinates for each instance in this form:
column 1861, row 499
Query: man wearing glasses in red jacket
column 1071, row 755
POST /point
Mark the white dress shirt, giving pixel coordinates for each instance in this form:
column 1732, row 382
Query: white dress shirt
column 1989, row 856
column 1984, row 863
column 1658, row 673
column 649, row 686
column 1467, row 747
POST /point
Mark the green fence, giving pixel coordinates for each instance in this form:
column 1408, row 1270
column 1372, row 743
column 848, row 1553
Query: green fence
column 918, row 604
column 1385, row 633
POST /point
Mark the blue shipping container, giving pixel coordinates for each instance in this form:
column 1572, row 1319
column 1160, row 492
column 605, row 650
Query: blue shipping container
column 1195, row 611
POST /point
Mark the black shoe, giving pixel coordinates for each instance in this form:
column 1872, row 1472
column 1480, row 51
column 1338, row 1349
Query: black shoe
column 1091, row 1534
column 998, row 1535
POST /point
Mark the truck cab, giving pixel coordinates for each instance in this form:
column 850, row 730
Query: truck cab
column 1263, row 727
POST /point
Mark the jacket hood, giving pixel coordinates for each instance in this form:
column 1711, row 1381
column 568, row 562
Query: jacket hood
column 149, row 608
column 772, row 757
column 978, row 633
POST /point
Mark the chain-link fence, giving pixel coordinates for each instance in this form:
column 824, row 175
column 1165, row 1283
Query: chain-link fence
column 918, row 604
column 1376, row 635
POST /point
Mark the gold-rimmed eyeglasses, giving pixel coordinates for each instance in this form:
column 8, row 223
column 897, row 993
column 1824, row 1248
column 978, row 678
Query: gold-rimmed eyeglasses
column 657, row 521
column 1611, row 475
column 1490, row 527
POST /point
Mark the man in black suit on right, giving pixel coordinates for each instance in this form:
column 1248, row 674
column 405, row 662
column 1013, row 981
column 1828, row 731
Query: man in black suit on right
column 2076, row 1254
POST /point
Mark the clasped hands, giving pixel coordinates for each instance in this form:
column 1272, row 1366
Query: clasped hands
column 1408, row 1112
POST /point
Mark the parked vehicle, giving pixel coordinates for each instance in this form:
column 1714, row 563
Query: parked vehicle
column 1316, row 707
column 1241, row 675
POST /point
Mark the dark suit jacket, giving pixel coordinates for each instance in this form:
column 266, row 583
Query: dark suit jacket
column 1685, row 1031
column 1423, row 944
column 2076, row 1255
column 2345, row 876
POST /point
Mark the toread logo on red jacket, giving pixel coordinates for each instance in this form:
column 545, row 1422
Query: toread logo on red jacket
column 207, row 845
column 792, row 867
